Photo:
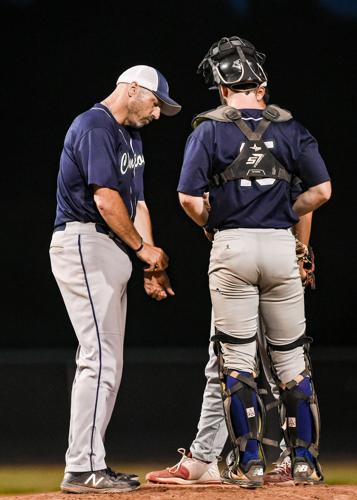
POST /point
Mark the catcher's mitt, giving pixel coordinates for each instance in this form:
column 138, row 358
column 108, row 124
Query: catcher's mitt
column 306, row 257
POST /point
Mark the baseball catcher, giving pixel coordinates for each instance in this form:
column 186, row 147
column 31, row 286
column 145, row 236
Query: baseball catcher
column 252, row 157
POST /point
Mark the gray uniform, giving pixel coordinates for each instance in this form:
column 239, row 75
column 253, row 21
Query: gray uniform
column 92, row 268
column 247, row 159
column 251, row 268
column 92, row 273
column 99, row 186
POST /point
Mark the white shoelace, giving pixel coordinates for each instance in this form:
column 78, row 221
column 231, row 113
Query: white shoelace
column 176, row 467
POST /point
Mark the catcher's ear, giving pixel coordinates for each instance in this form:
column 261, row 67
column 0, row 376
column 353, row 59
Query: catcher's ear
column 260, row 93
column 224, row 90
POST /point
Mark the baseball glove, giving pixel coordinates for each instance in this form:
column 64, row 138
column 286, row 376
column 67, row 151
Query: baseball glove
column 306, row 259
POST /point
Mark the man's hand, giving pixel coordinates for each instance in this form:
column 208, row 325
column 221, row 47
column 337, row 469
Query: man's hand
column 157, row 284
column 154, row 256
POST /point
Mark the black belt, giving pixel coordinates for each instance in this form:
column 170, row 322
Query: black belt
column 101, row 229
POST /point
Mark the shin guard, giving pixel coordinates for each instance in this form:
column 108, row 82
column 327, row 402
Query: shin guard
column 299, row 410
column 243, row 410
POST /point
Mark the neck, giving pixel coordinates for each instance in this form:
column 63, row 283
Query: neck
column 115, row 105
column 244, row 101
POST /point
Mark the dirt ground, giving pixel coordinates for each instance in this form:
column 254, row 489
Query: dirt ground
column 219, row 492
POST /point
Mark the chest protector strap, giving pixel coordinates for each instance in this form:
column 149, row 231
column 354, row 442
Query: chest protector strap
column 254, row 161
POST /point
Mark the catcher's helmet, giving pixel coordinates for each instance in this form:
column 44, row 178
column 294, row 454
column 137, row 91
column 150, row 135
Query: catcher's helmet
column 233, row 62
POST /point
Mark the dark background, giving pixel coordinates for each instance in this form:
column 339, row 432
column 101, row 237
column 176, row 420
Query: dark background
column 60, row 57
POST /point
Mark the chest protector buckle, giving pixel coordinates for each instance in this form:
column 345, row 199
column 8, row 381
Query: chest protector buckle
column 254, row 161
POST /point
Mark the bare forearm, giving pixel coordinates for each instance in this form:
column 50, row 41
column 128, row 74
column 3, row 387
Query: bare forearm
column 302, row 229
column 113, row 210
column 195, row 208
column 142, row 222
column 312, row 199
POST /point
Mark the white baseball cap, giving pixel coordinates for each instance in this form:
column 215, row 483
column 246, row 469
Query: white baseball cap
column 151, row 79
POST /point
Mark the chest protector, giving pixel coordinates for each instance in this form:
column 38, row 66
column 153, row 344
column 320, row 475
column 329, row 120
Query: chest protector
column 254, row 161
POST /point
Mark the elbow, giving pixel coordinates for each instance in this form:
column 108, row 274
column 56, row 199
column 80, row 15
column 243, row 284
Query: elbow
column 103, row 206
column 185, row 200
column 325, row 192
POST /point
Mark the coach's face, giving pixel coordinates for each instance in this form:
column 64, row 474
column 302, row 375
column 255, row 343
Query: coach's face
column 143, row 106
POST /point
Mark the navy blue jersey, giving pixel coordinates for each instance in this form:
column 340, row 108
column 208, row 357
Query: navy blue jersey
column 98, row 151
column 263, row 203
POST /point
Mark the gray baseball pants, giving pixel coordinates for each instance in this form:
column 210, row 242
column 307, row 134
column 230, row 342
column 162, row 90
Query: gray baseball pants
column 212, row 433
column 92, row 273
column 252, row 271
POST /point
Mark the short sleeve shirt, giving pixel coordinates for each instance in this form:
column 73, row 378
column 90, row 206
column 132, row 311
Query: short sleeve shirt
column 264, row 203
column 98, row 151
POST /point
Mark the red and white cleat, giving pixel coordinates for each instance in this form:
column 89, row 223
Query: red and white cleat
column 281, row 474
column 188, row 470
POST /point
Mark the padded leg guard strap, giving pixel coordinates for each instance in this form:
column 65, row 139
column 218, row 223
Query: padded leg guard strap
column 298, row 425
column 244, row 389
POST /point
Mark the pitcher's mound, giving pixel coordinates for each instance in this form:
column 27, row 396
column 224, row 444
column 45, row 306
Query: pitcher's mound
column 209, row 492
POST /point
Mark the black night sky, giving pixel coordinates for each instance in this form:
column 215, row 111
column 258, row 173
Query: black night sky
column 59, row 58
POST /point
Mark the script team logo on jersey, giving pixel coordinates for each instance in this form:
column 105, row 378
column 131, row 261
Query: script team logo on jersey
column 128, row 162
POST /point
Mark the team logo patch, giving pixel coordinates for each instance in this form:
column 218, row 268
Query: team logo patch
column 255, row 159
column 237, row 65
column 258, row 471
column 269, row 145
column 301, row 468
column 250, row 412
column 292, row 422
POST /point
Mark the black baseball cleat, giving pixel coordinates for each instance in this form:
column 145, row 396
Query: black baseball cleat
column 245, row 476
column 127, row 475
column 304, row 472
column 100, row 481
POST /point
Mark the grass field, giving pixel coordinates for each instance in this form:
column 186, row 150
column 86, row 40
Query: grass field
column 45, row 478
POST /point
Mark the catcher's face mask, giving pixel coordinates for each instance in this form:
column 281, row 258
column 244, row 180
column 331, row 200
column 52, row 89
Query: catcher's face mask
column 233, row 62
